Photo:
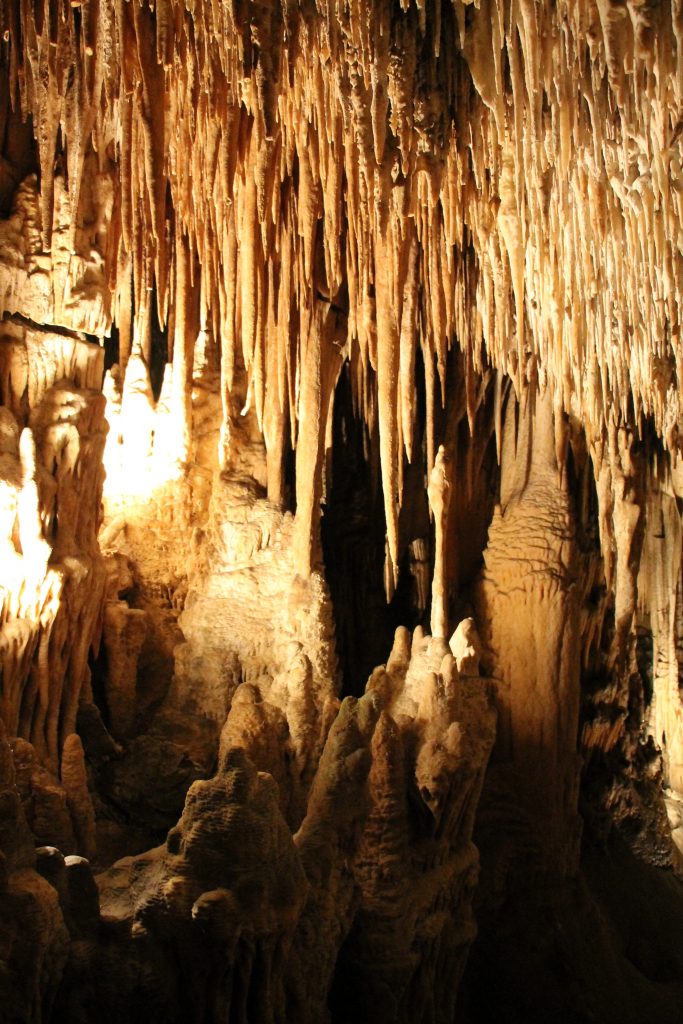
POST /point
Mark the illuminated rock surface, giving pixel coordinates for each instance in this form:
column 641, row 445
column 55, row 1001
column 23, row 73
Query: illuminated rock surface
column 340, row 511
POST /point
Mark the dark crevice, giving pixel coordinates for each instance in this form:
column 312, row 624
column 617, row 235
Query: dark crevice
column 159, row 349
column 353, row 538
column 111, row 348
column 63, row 332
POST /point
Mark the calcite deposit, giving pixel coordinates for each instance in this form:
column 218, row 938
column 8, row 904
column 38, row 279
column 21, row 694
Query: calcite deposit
column 341, row 592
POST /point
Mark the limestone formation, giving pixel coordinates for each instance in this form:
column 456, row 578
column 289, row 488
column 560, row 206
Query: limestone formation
column 34, row 937
column 340, row 510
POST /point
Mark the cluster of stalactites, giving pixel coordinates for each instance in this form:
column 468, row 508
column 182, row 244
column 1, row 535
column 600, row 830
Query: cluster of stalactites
column 359, row 179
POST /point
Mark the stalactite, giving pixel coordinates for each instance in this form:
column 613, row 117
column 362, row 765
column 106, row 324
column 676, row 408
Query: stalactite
column 357, row 156
column 183, row 347
column 478, row 207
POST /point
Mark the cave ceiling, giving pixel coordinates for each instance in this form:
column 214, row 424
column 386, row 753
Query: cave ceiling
column 340, row 509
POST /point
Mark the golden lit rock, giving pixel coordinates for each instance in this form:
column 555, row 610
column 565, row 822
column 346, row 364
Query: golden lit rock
column 322, row 324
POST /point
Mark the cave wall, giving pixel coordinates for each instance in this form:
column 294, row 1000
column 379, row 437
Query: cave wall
column 414, row 270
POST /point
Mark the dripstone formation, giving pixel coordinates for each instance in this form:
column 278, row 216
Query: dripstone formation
column 341, row 590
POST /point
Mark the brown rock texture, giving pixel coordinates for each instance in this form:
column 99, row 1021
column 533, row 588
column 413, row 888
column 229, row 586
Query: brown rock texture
column 341, row 339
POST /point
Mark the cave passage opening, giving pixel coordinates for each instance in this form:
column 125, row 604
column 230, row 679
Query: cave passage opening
column 353, row 533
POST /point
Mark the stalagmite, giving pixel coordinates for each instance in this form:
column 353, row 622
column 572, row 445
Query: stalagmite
column 307, row 311
column 439, row 491
column 465, row 646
